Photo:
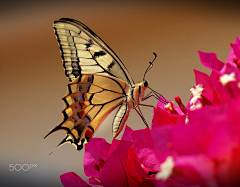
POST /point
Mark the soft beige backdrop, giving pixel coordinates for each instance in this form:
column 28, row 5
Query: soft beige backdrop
column 32, row 79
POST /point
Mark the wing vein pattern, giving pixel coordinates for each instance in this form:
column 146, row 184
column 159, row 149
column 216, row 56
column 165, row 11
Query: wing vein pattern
column 83, row 52
column 89, row 100
column 99, row 83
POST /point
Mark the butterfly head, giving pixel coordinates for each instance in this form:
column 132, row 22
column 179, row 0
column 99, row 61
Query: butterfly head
column 139, row 90
column 145, row 84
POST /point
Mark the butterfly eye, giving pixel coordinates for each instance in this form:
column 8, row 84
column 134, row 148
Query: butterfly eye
column 145, row 83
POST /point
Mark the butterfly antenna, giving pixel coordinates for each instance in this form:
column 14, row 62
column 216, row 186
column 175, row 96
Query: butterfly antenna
column 150, row 65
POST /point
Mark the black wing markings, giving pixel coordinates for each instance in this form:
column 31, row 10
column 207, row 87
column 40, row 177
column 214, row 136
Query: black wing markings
column 70, row 137
column 83, row 28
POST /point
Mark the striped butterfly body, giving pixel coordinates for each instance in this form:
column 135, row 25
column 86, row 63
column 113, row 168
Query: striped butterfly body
column 99, row 83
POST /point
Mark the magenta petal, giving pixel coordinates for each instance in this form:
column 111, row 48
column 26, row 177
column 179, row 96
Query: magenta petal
column 222, row 141
column 233, row 111
column 237, row 41
column 131, row 169
column 93, row 182
column 161, row 104
column 119, row 169
column 160, row 183
column 235, row 51
column 194, row 137
column 228, row 172
column 193, row 170
column 95, row 149
column 140, row 170
column 71, row 179
column 226, row 137
column 162, row 141
column 113, row 173
column 236, row 47
column 209, row 60
column 208, row 89
column 146, row 180
column 209, row 132
column 189, row 139
column 144, row 149
column 202, row 78
column 162, row 117
column 222, row 93
column 127, row 135
column 228, row 69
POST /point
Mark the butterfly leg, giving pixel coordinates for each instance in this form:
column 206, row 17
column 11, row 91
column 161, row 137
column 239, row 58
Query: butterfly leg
column 141, row 115
column 150, row 94
column 146, row 105
column 155, row 95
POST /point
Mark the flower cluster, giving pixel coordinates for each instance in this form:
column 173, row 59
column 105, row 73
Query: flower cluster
column 194, row 145
column 125, row 162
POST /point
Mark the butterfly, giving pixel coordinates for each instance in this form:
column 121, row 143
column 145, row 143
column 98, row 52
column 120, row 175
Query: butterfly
column 99, row 83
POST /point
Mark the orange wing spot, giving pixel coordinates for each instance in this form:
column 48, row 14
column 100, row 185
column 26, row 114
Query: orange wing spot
column 89, row 133
column 84, row 104
column 81, row 113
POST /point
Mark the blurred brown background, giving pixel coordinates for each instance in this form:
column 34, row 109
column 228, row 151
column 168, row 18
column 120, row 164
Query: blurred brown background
column 32, row 79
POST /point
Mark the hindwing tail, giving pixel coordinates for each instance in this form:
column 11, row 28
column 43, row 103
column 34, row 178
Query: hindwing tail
column 88, row 102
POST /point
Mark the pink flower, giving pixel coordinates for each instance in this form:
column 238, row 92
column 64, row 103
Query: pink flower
column 142, row 143
column 234, row 54
column 111, row 165
column 95, row 156
column 144, row 150
column 71, row 179
column 223, row 83
column 211, row 137
column 168, row 114
column 203, row 150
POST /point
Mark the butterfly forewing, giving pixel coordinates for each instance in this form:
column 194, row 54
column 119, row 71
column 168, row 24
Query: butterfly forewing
column 83, row 52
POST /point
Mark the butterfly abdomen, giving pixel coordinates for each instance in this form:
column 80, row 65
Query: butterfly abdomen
column 120, row 119
column 133, row 96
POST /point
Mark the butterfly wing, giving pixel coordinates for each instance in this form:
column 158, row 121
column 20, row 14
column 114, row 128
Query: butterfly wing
column 89, row 100
column 99, row 83
column 83, row 52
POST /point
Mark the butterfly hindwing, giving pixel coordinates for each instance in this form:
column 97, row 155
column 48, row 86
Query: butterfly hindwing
column 83, row 52
column 89, row 100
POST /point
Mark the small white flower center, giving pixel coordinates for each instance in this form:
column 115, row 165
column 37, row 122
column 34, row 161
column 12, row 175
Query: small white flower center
column 196, row 92
column 167, row 106
column 186, row 120
column 166, row 169
column 195, row 106
column 224, row 79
